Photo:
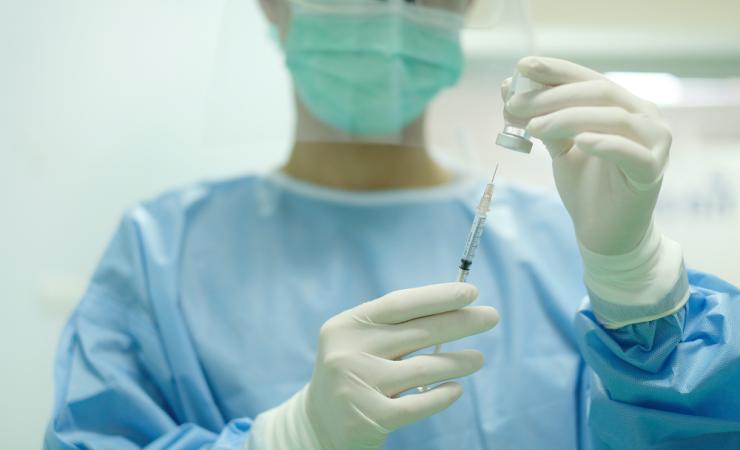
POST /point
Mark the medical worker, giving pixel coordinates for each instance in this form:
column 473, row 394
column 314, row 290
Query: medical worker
column 291, row 311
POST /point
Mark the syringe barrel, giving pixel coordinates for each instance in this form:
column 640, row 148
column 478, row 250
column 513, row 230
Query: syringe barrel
column 471, row 244
column 485, row 201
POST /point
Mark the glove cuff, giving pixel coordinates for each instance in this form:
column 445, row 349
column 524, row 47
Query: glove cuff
column 644, row 284
column 283, row 427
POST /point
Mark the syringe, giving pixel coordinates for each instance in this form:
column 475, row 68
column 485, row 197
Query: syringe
column 476, row 230
column 471, row 244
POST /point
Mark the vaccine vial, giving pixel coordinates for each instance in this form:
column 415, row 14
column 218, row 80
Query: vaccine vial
column 514, row 137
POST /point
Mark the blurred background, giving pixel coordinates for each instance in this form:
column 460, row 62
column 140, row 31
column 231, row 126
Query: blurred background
column 105, row 103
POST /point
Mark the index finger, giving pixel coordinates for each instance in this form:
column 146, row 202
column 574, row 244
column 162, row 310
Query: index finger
column 554, row 71
column 407, row 304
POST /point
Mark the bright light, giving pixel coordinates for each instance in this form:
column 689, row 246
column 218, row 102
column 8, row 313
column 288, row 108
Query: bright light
column 659, row 88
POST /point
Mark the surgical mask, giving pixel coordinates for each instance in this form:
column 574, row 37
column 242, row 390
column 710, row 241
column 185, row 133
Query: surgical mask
column 373, row 72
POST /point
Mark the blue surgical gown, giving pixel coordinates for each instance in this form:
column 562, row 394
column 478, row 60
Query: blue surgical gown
column 205, row 308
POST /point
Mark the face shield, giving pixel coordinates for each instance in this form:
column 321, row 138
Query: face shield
column 388, row 71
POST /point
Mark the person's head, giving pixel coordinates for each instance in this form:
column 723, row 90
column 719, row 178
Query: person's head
column 368, row 68
column 277, row 13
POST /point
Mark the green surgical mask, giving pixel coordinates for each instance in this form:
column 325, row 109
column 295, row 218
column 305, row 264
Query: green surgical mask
column 372, row 73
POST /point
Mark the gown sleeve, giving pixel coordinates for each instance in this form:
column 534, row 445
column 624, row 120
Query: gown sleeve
column 671, row 383
column 116, row 382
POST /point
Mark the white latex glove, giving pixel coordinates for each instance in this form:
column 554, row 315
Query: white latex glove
column 352, row 400
column 609, row 149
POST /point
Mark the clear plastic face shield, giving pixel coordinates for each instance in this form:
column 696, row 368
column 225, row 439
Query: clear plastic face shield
column 397, row 72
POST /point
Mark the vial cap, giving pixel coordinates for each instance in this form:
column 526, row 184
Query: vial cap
column 512, row 142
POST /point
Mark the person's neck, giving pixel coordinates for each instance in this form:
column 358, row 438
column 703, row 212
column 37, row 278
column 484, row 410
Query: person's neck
column 364, row 166
column 324, row 156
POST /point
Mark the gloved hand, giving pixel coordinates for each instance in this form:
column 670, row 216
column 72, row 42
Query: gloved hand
column 352, row 400
column 609, row 149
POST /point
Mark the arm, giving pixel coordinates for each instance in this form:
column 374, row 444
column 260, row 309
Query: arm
column 669, row 383
column 127, row 378
column 661, row 346
column 116, row 387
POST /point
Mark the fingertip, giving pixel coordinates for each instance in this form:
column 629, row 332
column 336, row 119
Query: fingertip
column 474, row 292
column 530, row 64
column 513, row 120
column 493, row 315
column 586, row 140
column 488, row 315
column 453, row 389
column 477, row 359
column 513, row 105
column 536, row 126
column 505, row 88
column 410, row 408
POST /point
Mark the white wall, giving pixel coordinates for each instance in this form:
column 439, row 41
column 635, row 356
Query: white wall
column 104, row 103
